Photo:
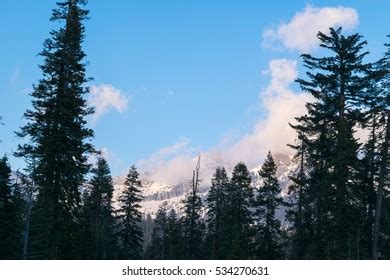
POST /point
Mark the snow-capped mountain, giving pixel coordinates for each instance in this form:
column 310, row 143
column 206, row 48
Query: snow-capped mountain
column 156, row 193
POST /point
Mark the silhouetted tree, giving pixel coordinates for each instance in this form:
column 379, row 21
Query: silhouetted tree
column 130, row 217
column 216, row 204
column 238, row 216
column 57, row 137
column 337, row 84
column 99, row 240
column 268, row 200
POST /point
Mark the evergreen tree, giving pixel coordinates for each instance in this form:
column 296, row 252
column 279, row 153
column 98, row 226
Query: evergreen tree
column 157, row 248
column 173, row 237
column 337, row 83
column 299, row 211
column 268, row 200
column 130, row 217
column 99, row 221
column 19, row 199
column 238, row 215
column 216, row 203
column 58, row 140
column 9, row 233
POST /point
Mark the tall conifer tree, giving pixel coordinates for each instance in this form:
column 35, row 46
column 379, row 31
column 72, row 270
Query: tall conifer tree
column 10, row 234
column 268, row 200
column 299, row 211
column 216, row 203
column 337, row 83
column 130, row 217
column 157, row 248
column 174, row 237
column 57, row 137
column 98, row 214
column 238, row 219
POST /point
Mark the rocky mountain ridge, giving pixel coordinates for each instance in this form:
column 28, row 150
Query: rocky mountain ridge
column 156, row 193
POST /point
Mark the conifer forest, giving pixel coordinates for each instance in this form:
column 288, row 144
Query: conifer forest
column 337, row 205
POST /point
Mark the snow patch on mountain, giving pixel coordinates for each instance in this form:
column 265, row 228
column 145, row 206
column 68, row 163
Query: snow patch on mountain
column 156, row 193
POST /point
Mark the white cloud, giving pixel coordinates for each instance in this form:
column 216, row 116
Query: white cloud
column 105, row 97
column 282, row 105
column 300, row 33
column 175, row 163
column 171, row 164
column 163, row 154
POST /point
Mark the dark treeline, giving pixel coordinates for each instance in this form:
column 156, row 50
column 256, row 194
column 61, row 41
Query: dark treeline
column 338, row 202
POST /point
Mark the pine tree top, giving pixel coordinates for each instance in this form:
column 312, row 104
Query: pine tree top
column 5, row 181
column 269, row 167
column 132, row 177
column 132, row 195
column 241, row 172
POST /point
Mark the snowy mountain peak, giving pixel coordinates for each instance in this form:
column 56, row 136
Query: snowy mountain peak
column 155, row 193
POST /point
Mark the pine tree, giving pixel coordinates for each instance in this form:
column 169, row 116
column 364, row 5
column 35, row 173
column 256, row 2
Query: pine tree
column 238, row 216
column 216, row 203
column 337, row 83
column 130, row 217
column 19, row 199
column 99, row 221
column 268, row 200
column 174, row 237
column 299, row 211
column 157, row 248
column 193, row 226
column 9, row 231
column 58, row 140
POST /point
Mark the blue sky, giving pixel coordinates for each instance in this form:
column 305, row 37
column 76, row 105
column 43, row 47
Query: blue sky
column 191, row 71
